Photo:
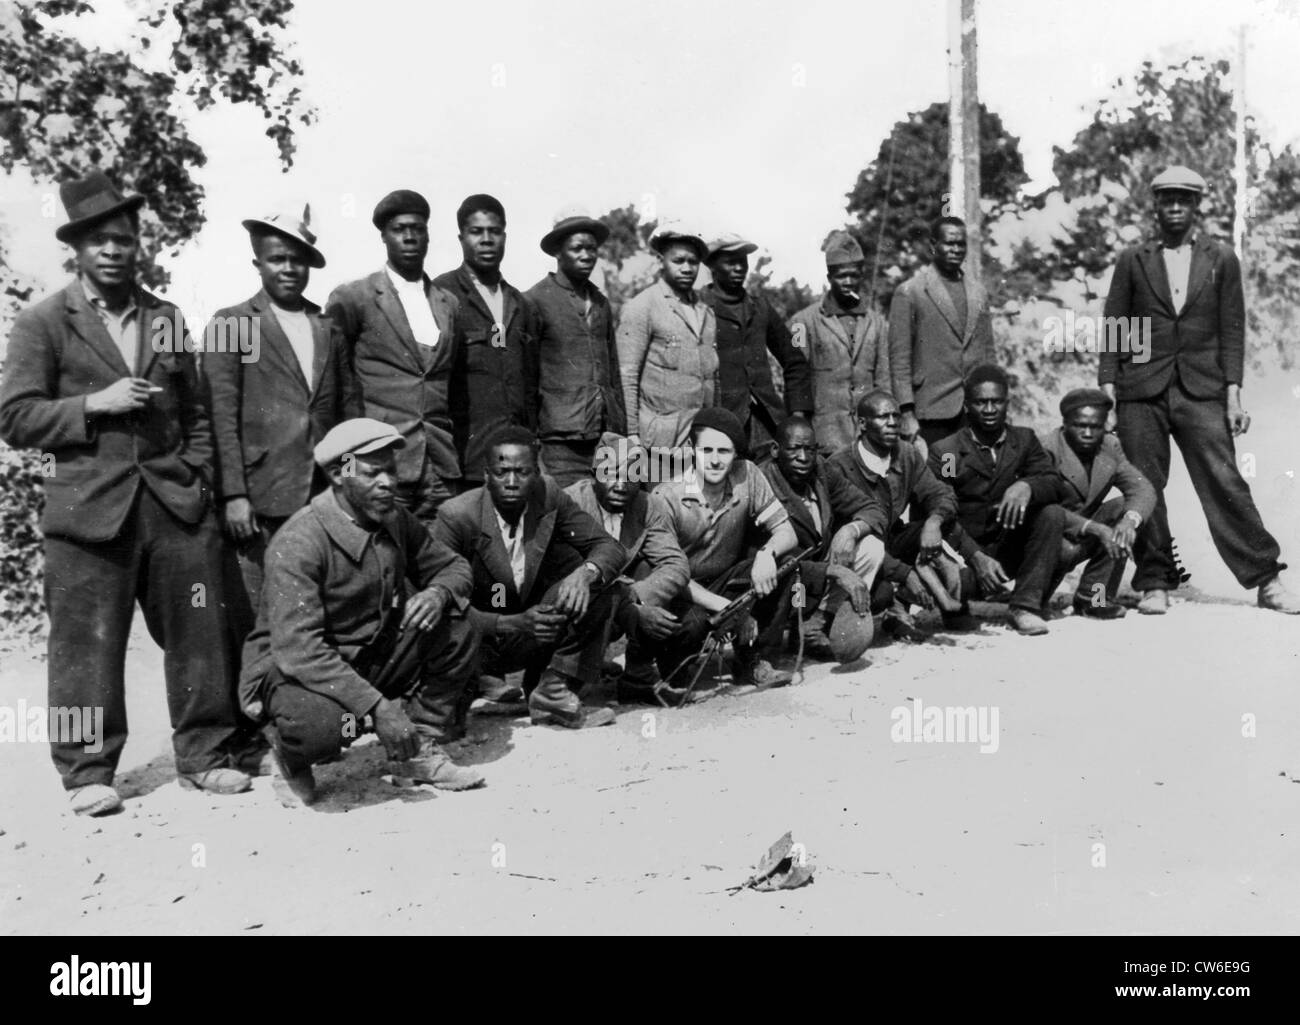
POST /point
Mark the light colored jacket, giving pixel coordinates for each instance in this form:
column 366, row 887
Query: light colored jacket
column 669, row 371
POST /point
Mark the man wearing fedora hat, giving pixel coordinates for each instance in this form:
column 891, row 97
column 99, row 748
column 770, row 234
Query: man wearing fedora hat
column 401, row 338
column 494, row 381
column 268, row 413
column 844, row 339
column 363, row 615
column 93, row 378
column 578, row 388
column 747, row 330
column 1186, row 384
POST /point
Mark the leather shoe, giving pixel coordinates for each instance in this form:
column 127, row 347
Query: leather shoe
column 433, row 766
column 216, row 781
column 1154, row 602
column 1091, row 611
column 1028, row 623
column 553, row 703
column 94, row 799
column 962, row 620
column 758, row 673
column 901, row 624
column 294, row 788
column 1274, row 595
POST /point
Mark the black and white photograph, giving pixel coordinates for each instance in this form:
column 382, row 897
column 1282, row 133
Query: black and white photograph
column 689, row 469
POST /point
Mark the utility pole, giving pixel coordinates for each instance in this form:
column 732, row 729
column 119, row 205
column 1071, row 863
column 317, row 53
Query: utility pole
column 964, row 127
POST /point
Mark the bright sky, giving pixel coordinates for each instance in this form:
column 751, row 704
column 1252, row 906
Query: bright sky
column 752, row 117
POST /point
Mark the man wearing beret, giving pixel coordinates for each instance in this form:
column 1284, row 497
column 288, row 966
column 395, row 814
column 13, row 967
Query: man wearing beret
column 1008, row 494
column 655, row 571
column 846, row 343
column 939, row 331
column 578, row 384
column 1186, row 384
column 401, row 339
column 1098, row 529
column 269, row 411
column 494, row 380
column 101, row 376
column 715, row 508
column 362, row 615
column 539, row 567
column 747, row 330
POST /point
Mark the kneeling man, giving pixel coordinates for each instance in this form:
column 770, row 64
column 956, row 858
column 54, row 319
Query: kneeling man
column 539, row 565
column 361, row 614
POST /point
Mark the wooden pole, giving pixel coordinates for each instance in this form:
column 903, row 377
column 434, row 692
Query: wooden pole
column 956, row 199
column 971, row 140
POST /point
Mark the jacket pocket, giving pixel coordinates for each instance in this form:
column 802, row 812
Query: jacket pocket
column 666, row 354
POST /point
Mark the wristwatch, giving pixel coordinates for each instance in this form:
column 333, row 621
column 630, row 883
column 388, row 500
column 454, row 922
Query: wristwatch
column 1134, row 515
column 595, row 571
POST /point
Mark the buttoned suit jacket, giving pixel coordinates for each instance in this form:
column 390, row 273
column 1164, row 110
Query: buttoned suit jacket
column 266, row 416
column 655, row 559
column 930, row 354
column 396, row 379
column 838, row 503
column 1203, row 344
column 558, row 538
column 59, row 352
column 1084, row 494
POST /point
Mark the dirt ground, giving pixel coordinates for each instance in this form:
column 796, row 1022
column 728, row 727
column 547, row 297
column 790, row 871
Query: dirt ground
column 1135, row 736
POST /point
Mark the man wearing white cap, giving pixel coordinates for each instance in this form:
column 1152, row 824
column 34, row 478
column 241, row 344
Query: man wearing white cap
column 578, row 386
column 362, row 615
column 269, row 410
column 1185, row 383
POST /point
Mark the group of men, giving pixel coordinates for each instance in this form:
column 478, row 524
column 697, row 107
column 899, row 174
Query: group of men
column 424, row 489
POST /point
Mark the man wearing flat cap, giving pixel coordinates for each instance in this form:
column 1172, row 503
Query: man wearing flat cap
column 401, row 339
column 494, row 381
column 1098, row 529
column 939, row 331
column 363, row 614
column 578, row 383
column 269, row 411
column 846, row 343
column 1185, row 383
column 102, row 376
column 748, row 329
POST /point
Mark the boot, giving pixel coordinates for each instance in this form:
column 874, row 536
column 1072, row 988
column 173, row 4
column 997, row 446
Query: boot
column 295, row 787
column 1274, row 595
column 1154, row 602
column 433, row 766
column 553, row 703
column 751, row 671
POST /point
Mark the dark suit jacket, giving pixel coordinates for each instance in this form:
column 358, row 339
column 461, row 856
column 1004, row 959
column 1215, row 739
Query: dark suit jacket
column 398, row 380
column 1086, row 492
column 1204, row 344
column 325, row 599
column 493, row 381
column 979, row 484
column 744, row 373
column 656, row 562
column 266, row 417
column 838, row 502
column 59, row 351
column 930, row 354
column 558, row 538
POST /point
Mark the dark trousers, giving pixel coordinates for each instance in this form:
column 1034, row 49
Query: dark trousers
column 1030, row 554
column 1099, row 583
column 568, row 461
column 426, row 493
column 1200, row 427
column 936, row 430
column 577, row 655
column 440, row 664
column 173, row 570
column 243, row 573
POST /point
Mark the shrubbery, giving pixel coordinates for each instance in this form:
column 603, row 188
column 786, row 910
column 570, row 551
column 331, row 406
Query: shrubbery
column 22, row 560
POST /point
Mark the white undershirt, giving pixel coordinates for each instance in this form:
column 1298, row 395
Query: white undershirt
column 513, row 539
column 495, row 300
column 612, row 522
column 1178, row 268
column 415, row 303
column 876, row 464
column 297, row 328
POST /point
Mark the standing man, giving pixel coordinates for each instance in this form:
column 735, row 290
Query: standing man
column 269, row 411
column 401, row 339
column 1091, row 463
column 364, row 615
column 580, row 395
column 494, row 379
column 539, row 566
column 747, row 330
column 1187, row 287
column 99, row 376
column 846, row 343
column 1008, row 492
column 939, row 331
